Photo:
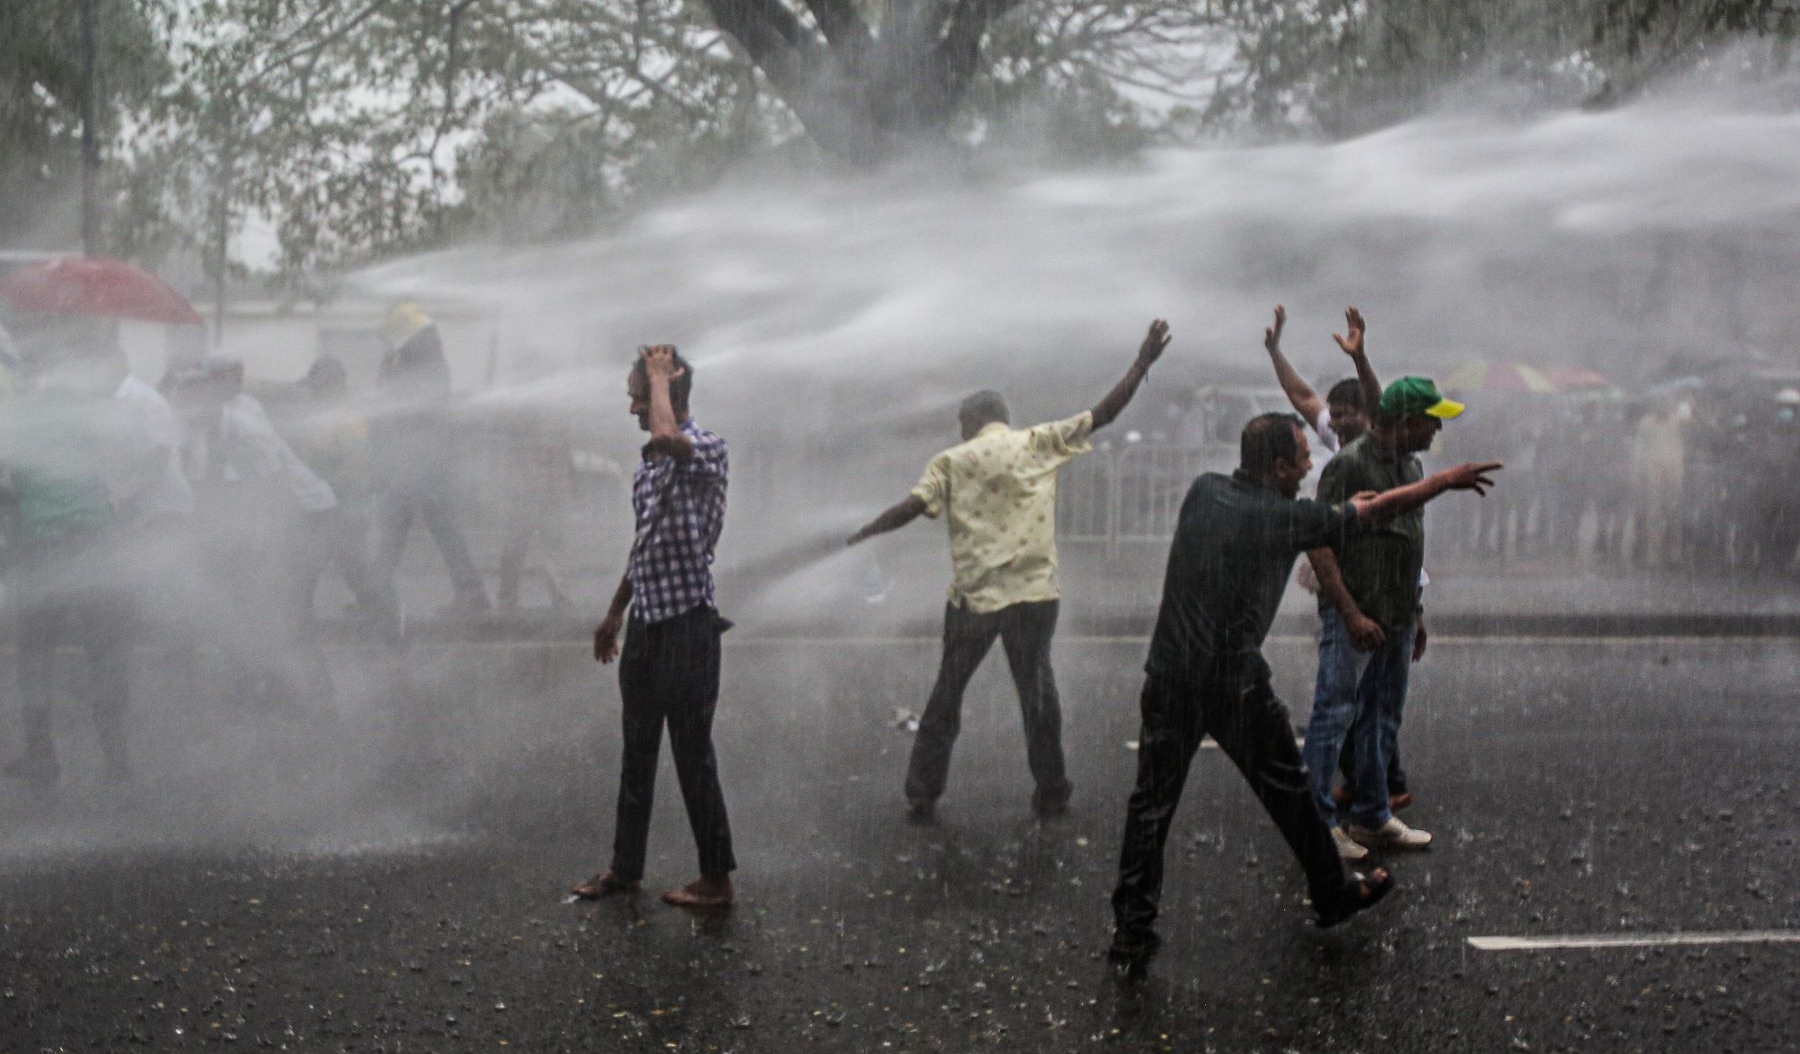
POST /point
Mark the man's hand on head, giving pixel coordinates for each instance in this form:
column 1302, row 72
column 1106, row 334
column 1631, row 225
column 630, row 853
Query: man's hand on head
column 659, row 363
column 1352, row 343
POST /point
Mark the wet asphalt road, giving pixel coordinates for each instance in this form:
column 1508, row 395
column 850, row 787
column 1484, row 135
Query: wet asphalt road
column 391, row 879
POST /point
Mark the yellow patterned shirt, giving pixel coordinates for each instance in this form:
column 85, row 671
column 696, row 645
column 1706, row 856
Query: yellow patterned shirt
column 1000, row 491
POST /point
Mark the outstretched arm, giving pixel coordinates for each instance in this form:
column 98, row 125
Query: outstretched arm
column 1107, row 410
column 1301, row 397
column 893, row 518
column 1379, row 508
column 1352, row 345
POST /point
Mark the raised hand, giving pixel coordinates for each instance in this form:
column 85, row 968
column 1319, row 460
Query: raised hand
column 1272, row 335
column 1351, row 345
column 1154, row 343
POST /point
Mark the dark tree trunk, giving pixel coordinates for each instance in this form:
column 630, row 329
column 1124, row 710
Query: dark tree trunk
column 864, row 92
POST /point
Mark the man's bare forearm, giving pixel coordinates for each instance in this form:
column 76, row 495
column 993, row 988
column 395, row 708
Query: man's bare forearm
column 666, row 436
column 1300, row 395
column 1399, row 501
column 1370, row 384
column 1470, row 475
column 1108, row 409
column 621, row 597
column 892, row 518
column 1331, row 582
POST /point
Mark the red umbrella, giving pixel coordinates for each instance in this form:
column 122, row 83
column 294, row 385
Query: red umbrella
column 95, row 286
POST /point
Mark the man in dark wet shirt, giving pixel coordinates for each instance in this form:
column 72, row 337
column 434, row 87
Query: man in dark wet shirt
column 1235, row 543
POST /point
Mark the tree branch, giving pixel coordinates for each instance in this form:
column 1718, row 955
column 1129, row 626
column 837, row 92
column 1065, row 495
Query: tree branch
column 844, row 29
column 956, row 56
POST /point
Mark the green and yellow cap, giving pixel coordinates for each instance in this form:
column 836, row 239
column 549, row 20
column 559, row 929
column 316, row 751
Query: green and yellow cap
column 1413, row 396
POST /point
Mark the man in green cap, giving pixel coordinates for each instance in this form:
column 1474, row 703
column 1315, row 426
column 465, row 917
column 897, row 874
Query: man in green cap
column 1371, row 629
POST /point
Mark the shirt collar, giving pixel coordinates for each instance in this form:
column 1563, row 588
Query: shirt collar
column 1238, row 475
column 992, row 427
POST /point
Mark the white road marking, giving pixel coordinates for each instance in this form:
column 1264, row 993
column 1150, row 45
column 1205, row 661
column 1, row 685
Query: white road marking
column 1465, row 640
column 1631, row 940
column 1446, row 641
column 1209, row 743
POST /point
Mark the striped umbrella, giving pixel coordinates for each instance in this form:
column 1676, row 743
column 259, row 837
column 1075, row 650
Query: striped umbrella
column 1576, row 378
column 1481, row 376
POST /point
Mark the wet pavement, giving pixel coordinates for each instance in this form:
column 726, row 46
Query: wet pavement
column 392, row 877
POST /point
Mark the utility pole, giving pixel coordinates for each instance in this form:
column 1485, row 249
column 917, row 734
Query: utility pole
column 90, row 140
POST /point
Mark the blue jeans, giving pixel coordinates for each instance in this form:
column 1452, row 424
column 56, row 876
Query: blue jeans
column 1360, row 694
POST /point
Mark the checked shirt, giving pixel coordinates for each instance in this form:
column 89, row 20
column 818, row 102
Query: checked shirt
column 680, row 510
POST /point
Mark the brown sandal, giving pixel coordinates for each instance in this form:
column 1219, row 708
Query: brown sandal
column 704, row 893
column 604, row 884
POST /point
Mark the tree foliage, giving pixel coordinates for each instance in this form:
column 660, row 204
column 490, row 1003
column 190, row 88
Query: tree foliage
column 41, row 87
column 1347, row 66
column 361, row 128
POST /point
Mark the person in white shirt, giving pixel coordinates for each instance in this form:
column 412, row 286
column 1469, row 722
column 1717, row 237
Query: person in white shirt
column 155, row 503
column 1338, row 419
column 1344, row 412
column 158, row 488
column 278, row 511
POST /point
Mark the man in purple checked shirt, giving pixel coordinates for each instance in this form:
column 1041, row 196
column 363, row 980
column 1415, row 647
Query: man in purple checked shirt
column 669, row 669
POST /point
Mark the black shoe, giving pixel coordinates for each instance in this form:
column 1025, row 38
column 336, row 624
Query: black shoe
column 1360, row 893
column 1131, row 949
column 921, row 810
column 1048, row 806
column 40, row 771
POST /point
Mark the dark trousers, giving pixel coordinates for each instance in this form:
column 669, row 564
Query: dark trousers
column 1254, row 730
column 396, row 511
column 1025, row 631
column 669, row 674
column 340, row 540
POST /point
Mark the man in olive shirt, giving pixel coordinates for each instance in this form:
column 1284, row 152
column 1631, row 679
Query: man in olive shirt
column 998, row 487
column 1235, row 543
column 1370, row 632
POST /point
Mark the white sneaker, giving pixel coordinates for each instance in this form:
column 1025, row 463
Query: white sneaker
column 1346, row 846
column 1393, row 834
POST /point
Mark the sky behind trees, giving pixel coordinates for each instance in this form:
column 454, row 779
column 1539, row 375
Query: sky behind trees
column 341, row 131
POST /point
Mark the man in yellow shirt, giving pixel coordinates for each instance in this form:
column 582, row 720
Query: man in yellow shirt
column 999, row 488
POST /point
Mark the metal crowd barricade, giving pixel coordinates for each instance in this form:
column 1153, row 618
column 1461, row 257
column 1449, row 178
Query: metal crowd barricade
column 1086, row 507
column 1151, row 483
column 1133, row 494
